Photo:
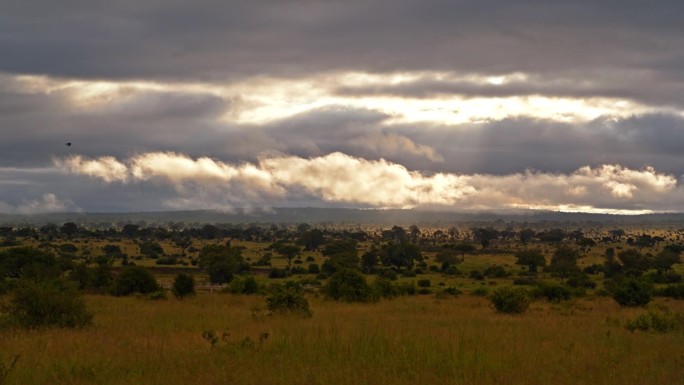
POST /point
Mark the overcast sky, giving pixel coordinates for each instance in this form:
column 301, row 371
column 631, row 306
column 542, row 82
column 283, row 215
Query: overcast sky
column 449, row 105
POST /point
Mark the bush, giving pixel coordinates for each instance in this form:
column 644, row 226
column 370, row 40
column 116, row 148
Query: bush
column 476, row 275
column 383, row 288
column 447, row 292
column 632, row 292
column 660, row 277
column 134, row 279
column 552, row 292
column 525, row 281
column 348, row 285
column 479, row 292
column 495, row 272
column 279, row 273
column 408, row 273
column 167, row 261
column 424, row 283
column 581, row 280
column 48, row 304
column 407, row 288
column 183, row 285
column 298, row 270
column 287, row 298
column 671, row 291
column 659, row 320
column 314, row 269
column 510, row 300
column 389, row 274
column 244, row 285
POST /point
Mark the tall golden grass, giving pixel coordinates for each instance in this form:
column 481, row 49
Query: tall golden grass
column 414, row 340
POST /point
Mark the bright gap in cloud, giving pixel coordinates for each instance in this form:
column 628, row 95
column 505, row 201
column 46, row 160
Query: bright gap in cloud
column 263, row 99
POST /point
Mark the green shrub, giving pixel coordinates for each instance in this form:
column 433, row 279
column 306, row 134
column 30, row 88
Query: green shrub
column 448, row 292
column 348, row 285
column 279, row 273
column 383, row 288
column 287, row 298
column 495, row 272
column 476, row 275
column 244, row 285
column 552, row 292
column 314, row 269
column 479, row 292
column 134, row 279
column 424, row 283
column 510, row 300
column 48, row 304
column 167, row 261
column 407, row 288
column 408, row 273
column 632, row 292
column 183, row 286
column 298, row 270
column 671, row 291
column 658, row 320
column 389, row 274
column 660, row 277
column 581, row 280
column 525, row 281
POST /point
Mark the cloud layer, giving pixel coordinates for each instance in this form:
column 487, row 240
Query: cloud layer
column 343, row 179
column 570, row 105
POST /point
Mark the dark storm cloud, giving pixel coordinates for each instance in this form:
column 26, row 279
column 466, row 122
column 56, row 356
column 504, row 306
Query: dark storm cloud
column 36, row 127
column 648, row 88
column 213, row 39
column 618, row 49
column 511, row 145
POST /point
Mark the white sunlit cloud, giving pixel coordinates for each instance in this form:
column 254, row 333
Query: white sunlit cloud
column 48, row 203
column 346, row 180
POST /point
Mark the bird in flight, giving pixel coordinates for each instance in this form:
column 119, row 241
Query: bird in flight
column 68, row 144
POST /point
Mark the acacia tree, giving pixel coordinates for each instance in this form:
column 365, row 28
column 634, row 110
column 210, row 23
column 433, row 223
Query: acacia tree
column 464, row 248
column 530, row 258
column 564, row 261
column 400, row 254
column 288, row 251
column 369, row 259
column 221, row 262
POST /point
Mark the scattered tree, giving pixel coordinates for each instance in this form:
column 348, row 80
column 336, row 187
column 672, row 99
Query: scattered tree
column 183, row 286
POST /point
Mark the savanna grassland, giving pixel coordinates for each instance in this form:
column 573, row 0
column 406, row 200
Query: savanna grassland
column 407, row 340
column 432, row 322
column 402, row 341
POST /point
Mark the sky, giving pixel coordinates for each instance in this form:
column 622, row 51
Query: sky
column 440, row 105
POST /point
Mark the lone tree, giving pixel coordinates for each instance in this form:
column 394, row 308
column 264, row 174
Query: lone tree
column 288, row 251
column 564, row 261
column 134, row 279
column 221, row 262
column 349, row 286
column 530, row 258
column 463, row 249
column 369, row 260
column 400, row 254
column 183, row 286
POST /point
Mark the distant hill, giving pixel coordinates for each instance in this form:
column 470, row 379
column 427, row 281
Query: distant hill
column 332, row 216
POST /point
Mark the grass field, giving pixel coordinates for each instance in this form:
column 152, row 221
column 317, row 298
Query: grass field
column 410, row 340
